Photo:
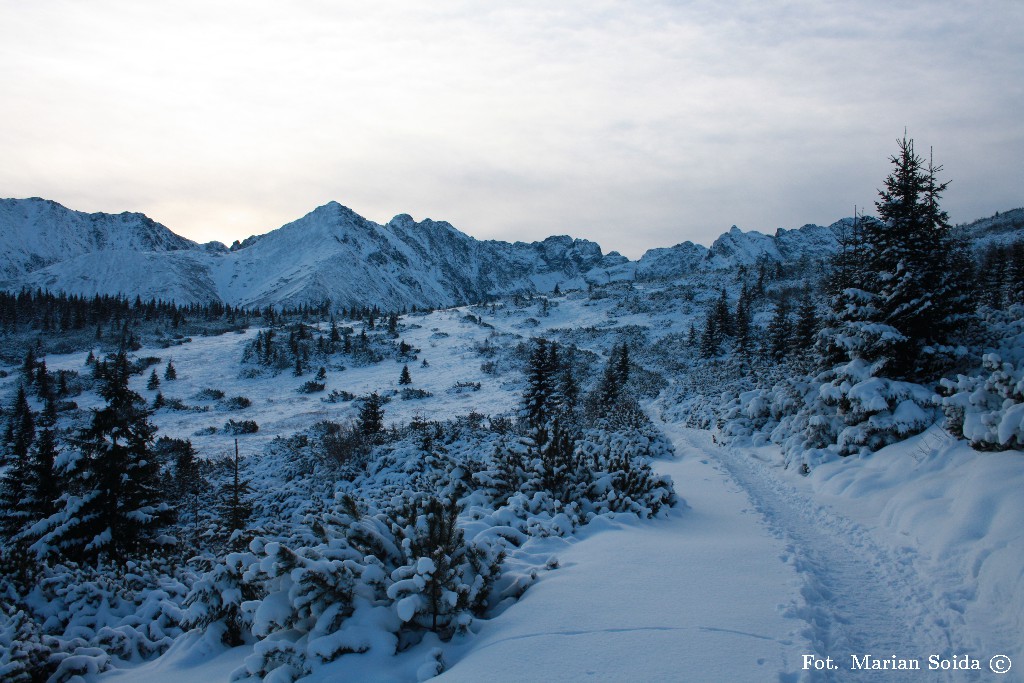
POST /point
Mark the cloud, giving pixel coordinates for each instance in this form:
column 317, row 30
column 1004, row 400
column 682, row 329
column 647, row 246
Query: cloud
column 634, row 125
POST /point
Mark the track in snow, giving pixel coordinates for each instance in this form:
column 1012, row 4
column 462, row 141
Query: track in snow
column 859, row 598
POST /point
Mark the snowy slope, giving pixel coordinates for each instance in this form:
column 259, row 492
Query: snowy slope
column 35, row 233
column 180, row 276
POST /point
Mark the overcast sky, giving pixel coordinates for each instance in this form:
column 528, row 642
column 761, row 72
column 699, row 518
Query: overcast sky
column 635, row 124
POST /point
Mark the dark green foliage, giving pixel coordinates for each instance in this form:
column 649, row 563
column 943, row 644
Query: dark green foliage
column 539, row 396
column 371, row 415
column 1001, row 274
column 17, row 448
column 237, row 403
column 780, row 332
column 187, row 482
column 902, row 298
column 411, row 394
column 210, row 394
column 405, row 377
column 235, row 503
column 341, row 445
column 711, row 339
column 742, row 323
column 20, row 431
column 611, row 389
column 723, row 318
column 568, row 391
column 241, row 427
column 114, row 507
column 807, row 324
column 170, row 372
column 560, row 468
column 154, row 381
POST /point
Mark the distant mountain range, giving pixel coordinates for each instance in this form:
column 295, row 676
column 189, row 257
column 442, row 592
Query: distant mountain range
column 334, row 253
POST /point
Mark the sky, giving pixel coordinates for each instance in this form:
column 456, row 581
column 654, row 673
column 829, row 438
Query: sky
column 634, row 124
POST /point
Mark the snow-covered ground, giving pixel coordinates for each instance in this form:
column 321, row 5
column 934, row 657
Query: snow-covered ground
column 700, row 595
column 758, row 577
column 917, row 550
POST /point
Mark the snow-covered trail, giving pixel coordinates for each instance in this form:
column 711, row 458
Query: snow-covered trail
column 858, row 596
column 699, row 596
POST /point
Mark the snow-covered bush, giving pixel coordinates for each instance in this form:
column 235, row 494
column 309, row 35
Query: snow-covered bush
column 24, row 652
column 987, row 409
column 875, row 411
column 840, row 412
column 215, row 600
column 76, row 619
column 348, row 580
column 241, row 427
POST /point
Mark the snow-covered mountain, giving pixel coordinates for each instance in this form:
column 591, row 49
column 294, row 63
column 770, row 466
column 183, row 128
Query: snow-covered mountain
column 36, row 233
column 331, row 253
column 996, row 229
column 334, row 253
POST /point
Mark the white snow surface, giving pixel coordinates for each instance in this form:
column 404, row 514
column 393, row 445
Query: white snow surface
column 914, row 552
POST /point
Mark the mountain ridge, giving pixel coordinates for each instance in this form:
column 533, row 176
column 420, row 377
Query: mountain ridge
column 333, row 253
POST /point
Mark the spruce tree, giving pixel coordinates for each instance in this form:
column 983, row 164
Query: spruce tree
column 38, row 485
column 21, row 429
column 405, row 378
column 28, row 366
column 170, row 373
column 568, row 387
column 711, row 339
column 901, row 300
column 613, row 381
column 154, row 381
column 113, row 506
column 742, row 323
column 558, row 464
column 235, row 506
column 779, row 331
column 807, row 321
column 537, row 398
column 622, row 364
column 42, row 381
column 371, row 415
column 720, row 312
